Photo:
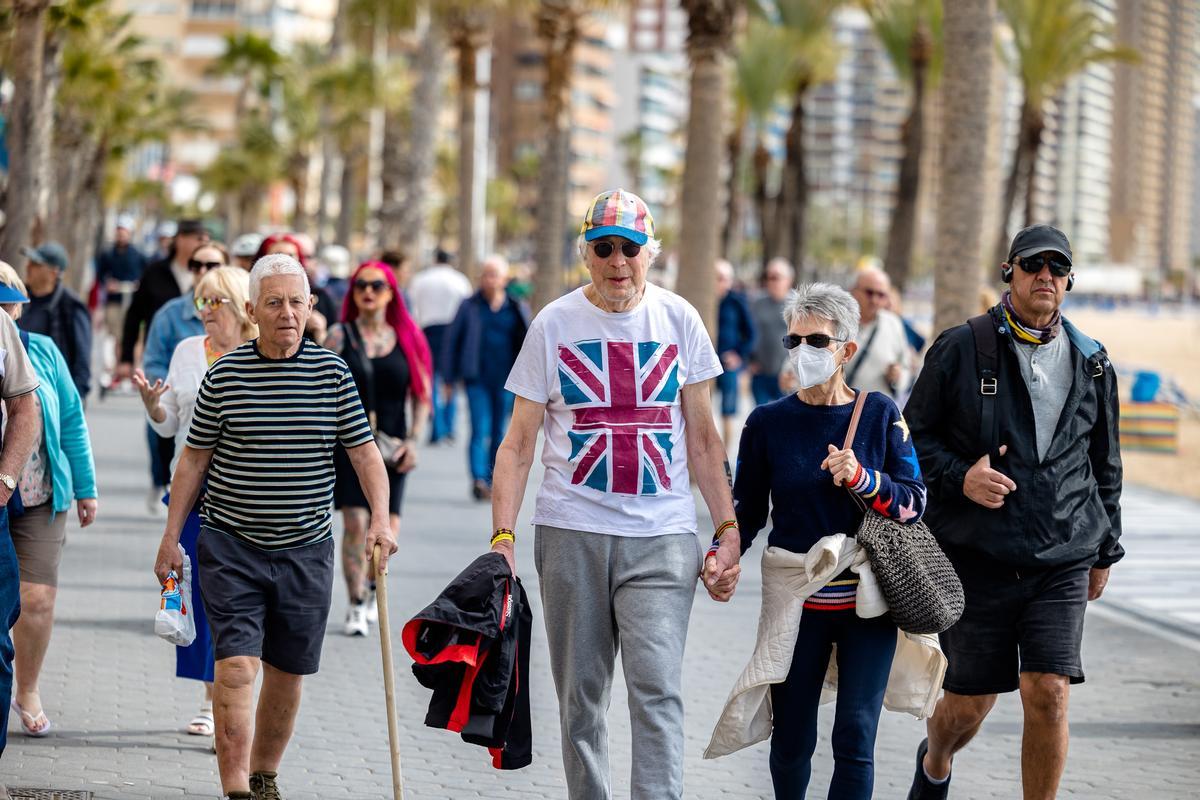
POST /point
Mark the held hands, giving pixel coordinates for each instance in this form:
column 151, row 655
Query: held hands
column 168, row 559
column 722, row 568
column 986, row 486
column 151, row 394
column 842, row 465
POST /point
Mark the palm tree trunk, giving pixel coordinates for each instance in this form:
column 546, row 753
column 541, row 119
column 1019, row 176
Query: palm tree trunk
column 52, row 75
column 559, row 30
column 1033, row 143
column 23, row 127
column 298, row 168
column 1029, row 138
column 349, row 197
column 79, row 234
column 903, row 228
column 968, row 30
column 710, row 33
column 762, row 202
column 731, row 239
column 468, row 86
column 328, row 142
column 791, row 212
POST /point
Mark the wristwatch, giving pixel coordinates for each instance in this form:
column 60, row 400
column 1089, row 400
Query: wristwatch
column 9, row 481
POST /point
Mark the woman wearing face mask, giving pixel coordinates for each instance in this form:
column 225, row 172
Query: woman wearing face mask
column 791, row 461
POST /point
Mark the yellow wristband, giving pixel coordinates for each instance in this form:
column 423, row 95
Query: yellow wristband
column 503, row 537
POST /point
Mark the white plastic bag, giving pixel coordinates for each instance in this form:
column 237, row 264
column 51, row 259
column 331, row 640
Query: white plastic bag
column 175, row 621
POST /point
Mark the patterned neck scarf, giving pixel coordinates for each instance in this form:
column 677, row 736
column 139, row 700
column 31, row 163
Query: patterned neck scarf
column 1025, row 332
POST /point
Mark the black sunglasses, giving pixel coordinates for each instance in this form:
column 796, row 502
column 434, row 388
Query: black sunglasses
column 817, row 340
column 1034, row 264
column 605, row 249
column 376, row 285
column 196, row 266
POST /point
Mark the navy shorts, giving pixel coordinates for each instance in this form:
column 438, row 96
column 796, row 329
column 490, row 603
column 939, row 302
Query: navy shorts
column 269, row 604
column 727, row 384
column 1016, row 620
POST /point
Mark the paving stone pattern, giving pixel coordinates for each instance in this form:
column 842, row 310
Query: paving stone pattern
column 118, row 710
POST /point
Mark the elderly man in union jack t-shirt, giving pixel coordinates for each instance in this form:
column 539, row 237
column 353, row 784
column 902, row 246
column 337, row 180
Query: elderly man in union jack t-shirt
column 618, row 371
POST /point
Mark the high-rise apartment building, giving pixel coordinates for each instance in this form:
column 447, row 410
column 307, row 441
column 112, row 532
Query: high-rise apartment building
column 1154, row 127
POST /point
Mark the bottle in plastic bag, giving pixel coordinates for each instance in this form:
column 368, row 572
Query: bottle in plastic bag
column 175, row 621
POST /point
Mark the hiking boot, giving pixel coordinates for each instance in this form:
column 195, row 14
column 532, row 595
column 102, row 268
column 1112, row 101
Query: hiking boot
column 263, row 786
column 923, row 788
column 356, row 620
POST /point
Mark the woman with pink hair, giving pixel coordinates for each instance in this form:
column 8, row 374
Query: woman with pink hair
column 392, row 367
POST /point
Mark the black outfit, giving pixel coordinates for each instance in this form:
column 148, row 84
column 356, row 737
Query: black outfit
column 63, row 317
column 120, row 263
column 158, row 285
column 383, row 386
column 1025, row 565
column 471, row 646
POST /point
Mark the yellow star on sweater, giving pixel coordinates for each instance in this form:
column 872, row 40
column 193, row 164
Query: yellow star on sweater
column 903, row 426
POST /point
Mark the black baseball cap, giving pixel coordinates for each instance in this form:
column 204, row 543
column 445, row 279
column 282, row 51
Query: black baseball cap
column 1038, row 239
column 191, row 227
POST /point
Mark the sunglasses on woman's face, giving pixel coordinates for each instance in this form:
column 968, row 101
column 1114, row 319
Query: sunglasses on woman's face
column 362, row 285
column 211, row 302
column 1059, row 268
column 817, row 340
column 196, row 266
column 605, row 249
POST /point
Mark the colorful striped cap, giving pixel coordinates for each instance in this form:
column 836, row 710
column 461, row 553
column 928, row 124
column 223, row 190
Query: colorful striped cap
column 618, row 213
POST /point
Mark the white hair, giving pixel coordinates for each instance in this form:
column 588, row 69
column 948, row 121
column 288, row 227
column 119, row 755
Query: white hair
column 652, row 244
column 824, row 301
column 275, row 264
column 498, row 260
column 783, row 264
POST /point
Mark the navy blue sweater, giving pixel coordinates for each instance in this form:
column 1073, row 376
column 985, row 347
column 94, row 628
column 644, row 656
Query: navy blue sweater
column 779, row 464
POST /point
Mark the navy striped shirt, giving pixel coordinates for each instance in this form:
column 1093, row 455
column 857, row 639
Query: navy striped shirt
column 272, row 425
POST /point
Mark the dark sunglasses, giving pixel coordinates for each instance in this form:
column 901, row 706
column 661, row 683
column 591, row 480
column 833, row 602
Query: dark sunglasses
column 605, row 249
column 375, row 285
column 196, row 266
column 1034, row 264
column 817, row 340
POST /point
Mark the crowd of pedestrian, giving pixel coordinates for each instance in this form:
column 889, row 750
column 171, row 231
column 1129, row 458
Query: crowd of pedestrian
column 281, row 384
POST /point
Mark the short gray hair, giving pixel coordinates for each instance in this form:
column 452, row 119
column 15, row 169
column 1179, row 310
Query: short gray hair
column 275, row 264
column 652, row 244
column 824, row 301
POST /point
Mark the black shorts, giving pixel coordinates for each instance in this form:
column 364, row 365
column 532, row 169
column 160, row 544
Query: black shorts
column 1015, row 621
column 269, row 604
column 348, row 493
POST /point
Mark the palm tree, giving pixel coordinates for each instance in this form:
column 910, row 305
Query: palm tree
column 911, row 33
column 1054, row 40
column 813, row 59
column 710, row 36
column 302, row 118
column 255, row 60
column 760, row 78
column 27, row 127
column 969, row 35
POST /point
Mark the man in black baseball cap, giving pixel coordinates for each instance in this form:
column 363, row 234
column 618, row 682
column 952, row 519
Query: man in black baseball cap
column 57, row 311
column 1014, row 418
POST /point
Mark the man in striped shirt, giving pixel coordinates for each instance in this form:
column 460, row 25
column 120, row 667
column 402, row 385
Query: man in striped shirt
column 268, row 416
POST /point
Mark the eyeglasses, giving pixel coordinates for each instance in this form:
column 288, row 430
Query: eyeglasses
column 211, row 302
column 196, row 266
column 873, row 293
column 361, row 285
column 605, row 249
column 1034, row 264
column 817, row 340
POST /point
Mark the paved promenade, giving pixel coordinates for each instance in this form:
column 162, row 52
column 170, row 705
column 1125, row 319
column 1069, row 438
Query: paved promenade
column 117, row 708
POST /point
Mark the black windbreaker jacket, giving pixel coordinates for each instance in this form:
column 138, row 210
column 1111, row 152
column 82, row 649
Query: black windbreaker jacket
column 471, row 647
column 1067, row 508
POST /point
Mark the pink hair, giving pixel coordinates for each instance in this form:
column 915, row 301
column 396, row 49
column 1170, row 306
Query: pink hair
column 410, row 338
column 276, row 238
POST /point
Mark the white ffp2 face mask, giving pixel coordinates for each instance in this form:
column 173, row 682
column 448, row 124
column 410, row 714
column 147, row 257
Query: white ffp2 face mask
column 813, row 366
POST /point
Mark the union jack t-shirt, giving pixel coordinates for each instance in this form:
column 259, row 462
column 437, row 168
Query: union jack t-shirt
column 615, row 451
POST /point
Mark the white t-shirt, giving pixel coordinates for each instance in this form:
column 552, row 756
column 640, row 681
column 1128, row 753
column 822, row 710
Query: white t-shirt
column 615, row 452
column 435, row 293
column 889, row 346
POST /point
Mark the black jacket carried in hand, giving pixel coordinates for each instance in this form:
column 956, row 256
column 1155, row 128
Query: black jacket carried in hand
column 1066, row 509
column 471, row 646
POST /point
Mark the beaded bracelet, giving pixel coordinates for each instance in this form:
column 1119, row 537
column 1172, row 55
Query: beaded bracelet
column 716, row 542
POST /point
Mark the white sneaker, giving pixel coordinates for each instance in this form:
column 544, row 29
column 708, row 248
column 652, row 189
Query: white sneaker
column 356, row 621
column 372, row 608
column 154, row 504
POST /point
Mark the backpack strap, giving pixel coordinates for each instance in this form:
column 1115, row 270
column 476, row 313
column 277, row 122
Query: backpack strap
column 987, row 365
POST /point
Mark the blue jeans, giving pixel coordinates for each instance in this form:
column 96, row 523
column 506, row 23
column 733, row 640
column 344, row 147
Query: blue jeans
column 727, row 385
column 10, row 609
column 491, row 406
column 442, row 411
column 765, row 388
column 865, row 648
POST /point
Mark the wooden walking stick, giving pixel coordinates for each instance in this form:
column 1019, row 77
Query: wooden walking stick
column 389, row 683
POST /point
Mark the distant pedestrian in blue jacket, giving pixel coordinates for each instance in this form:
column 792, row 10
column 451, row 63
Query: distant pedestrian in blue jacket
column 479, row 350
column 736, row 337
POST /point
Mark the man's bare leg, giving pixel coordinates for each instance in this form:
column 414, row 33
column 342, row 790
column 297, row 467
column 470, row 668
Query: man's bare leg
column 233, row 700
column 954, row 723
column 1044, row 697
column 278, row 704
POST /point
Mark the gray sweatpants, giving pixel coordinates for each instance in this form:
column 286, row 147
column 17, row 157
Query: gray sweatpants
column 601, row 594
